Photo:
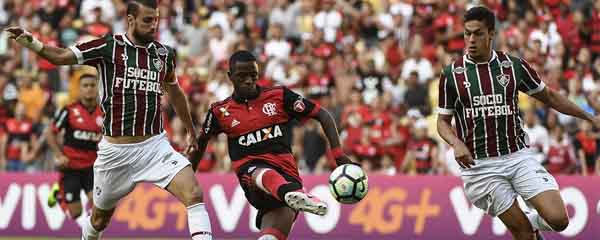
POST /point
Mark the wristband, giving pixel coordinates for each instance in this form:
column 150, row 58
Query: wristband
column 337, row 152
column 33, row 43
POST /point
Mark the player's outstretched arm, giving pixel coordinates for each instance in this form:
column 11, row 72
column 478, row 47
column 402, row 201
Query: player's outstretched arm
column 564, row 105
column 180, row 104
column 330, row 129
column 57, row 56
column 461, row 152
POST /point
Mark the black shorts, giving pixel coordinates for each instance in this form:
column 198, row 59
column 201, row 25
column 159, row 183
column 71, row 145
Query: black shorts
column 72, row 181
column 260, row 200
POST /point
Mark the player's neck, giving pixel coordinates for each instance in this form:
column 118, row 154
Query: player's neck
column 134, row 40
column 482, row 59
column 90, row 105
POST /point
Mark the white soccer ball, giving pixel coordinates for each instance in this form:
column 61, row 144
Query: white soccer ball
column 348, row 184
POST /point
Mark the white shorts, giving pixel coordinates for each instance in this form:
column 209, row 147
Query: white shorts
column 119, row 167
column 494, row 183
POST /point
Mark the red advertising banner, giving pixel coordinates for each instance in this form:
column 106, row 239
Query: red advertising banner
column 397, row 207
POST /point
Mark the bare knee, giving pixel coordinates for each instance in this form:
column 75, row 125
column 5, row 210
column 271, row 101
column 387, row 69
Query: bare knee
column 268, row 237
column 74, row 212
column 100, row 222
column 559, row 224
column 193, row 196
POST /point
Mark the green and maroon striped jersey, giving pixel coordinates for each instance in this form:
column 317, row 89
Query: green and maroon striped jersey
column 131, row 79
column 483, row 99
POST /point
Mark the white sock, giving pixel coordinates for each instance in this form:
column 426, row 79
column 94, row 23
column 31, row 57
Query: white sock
column 81, row 220
column 267, row 237
column 88, row 232
column 198, row 222
column 537, row 222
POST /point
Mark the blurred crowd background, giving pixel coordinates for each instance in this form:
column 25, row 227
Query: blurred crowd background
column 374, row 64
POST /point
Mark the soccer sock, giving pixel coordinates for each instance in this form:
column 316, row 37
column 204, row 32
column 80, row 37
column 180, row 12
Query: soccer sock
column 88, row 232
column 272, row 234
column 273, row 183
column 537, row 222
column 198, row 222
column 81, row 220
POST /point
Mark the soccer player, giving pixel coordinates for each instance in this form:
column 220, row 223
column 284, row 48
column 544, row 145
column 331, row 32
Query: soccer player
column 258, row 123
column 81, row 126
column 134, row 72
column 480, row 91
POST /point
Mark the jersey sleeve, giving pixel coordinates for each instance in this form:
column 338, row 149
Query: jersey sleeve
column 529, row 81
column 211, row 126
column 90, row 52
column 447, row 95
column 60, row 120
column 297, row 106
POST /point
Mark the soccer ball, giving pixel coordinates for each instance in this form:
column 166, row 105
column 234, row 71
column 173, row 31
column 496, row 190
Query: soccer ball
column 348, row 184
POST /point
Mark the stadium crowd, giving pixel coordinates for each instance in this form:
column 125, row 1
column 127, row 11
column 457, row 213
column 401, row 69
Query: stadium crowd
column 374, row 64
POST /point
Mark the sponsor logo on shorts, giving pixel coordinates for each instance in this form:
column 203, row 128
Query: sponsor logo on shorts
column 174, row 162
column 69, row 197
column 251, row 169
column 98, row 191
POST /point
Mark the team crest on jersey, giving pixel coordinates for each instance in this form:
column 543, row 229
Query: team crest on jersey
column 503, row 79
column 269, row 109
column 459, row 70
column 158, row 64
column 299, row 105
column 505, row 64
column 224, row 111
column 162, row 51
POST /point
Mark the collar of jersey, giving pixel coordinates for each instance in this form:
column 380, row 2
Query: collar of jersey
column 239, row 99
column 126, row 39
column 467, row 59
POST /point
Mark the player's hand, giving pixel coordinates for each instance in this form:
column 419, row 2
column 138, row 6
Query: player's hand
column 191, row 144
column 24, row 38
column 61, row 161
column 463, row 156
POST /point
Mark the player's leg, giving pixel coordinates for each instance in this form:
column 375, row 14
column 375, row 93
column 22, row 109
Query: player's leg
column 540, row 189
column 276, row 224
column 272, row 182
column 185, row 187
column 98, row 221
column 517, row 223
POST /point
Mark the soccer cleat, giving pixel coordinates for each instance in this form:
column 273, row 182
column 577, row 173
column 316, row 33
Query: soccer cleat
column 305, row 202
column 52, row 196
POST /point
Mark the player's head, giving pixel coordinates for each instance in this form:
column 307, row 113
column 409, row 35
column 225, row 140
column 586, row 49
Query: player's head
column 243, row 73
column 88, row 87
column 479, row 23
column 142, row 19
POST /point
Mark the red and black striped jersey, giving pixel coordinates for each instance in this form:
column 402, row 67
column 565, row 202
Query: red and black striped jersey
column 260, row 128
column 483, row 99
column 131, row 79
column 83, row 131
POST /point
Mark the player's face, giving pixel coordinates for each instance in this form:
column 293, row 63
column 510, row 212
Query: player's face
column 244, row 76
column 478, row 39
column 88, row 88
column 144, row 24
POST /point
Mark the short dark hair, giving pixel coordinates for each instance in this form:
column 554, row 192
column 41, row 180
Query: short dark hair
column 133, row 6
column 481, row 13
column 240, row 56
column 88, row 75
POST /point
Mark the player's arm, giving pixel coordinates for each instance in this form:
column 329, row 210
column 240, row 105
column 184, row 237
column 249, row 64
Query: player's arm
column 447, row 98
column 180, row 103
column 55, row 55
column 53, row 132
column 561, row 103
column 210, row 127
column 333, row 137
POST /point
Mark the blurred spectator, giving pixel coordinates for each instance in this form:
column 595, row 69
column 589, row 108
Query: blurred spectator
column 328, row 20
column 32, row 97
column 422, row 154
column 18, row 141
column 586, row 146
column 561, row 155
column 539, row 139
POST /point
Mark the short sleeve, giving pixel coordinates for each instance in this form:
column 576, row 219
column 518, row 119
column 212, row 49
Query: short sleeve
column 298, row 106
column 447, row 96
column 529, row 81
column 90, row 52
column 60, row 120
column 211, row 124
